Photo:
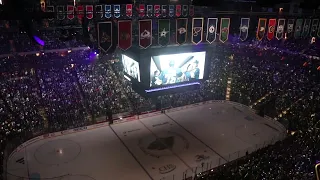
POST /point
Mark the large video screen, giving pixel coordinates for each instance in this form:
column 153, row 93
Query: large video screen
column 131, row 67
column 176, row 68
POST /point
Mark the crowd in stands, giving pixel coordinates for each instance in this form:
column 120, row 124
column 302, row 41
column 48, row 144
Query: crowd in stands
column 54, row 92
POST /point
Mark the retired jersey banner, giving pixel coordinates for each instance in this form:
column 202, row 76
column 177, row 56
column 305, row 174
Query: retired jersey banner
column 156, row 10
column 314, row 26
column 181, row 30
column 261, row 30
column 271, row 28
column 70, row 12
column 171, row 10
column 298, row 28
column 197, row 30
column 89, row 11
column 129, row 10
column 244, row 28
column 191, row 10
column 80, row 12
column 306, row 27
column 99, row 11
column 163, row 32
column 116, row 11
column 145, row 33
column 280, row 28
column 124, row 34
column 178, row 10
column 60, row 13
column 212, row 25
column 149, row 10
column 290, row 28
column 107, row 11
column 141, row 10
column 105, row 35
column 224, row 29
column 185, row 10
column 164, row 10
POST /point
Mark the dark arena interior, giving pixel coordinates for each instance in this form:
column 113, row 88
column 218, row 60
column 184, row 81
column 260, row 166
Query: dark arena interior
column 159, row 90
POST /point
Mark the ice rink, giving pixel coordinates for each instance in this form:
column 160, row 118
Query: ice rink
column 170, row 146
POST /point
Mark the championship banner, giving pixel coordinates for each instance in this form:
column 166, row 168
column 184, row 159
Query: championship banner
column 80, row 12
column 107, row 11
column 89, row 11
column 141, row 10
column 105, row 35
column 129, row 10
column 261, row 30
column 185, row 10
column 306, row 27
column 191, row 10
column 244, row 28
column 224, row 29
column 156, row 10
column 145, row 33
column 124, row 34
column 149, row 10
column 298, row 28
column 290, row 28
column 271, row 28
column 116, row 10
column 99, row 11
column 280, row 28
column 178, row 10
column 314, row 26
column 171, row 10
column 60, row 13
column 164, row 10
column 163, row 32
column 50, row 9
column 70, row 12
column 197, row 30
column 181, row 30
column 212, row 25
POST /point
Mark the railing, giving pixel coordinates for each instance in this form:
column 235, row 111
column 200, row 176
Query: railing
column 22, row 141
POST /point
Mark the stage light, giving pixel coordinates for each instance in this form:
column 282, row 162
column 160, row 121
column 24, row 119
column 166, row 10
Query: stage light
column 38, row 40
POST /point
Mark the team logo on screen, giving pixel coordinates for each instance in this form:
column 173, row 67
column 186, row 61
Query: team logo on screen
column 131, row 67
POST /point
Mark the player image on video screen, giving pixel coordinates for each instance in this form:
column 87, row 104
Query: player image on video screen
column 131, row 67
column 176, row 68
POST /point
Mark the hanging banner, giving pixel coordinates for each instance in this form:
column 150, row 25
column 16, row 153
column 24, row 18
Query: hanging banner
column 212, row 25
column 191, row 10
column 107, row 11
column 280, row 28
column 261, row 30
column 306, row 28
column 50, row 9
column 314, row 26
column 89, row 11
column 163, row 32
column 99, row 11
column 149, row 10
column 290, row 28
column 156, row 10
column 185, row 10
column 141, row 10
column 80, row 12
column 105, row 35
column 116, row 11
column 298, row 28
column 178, row 10
column 224, row 29
column 70, row 12
column 124, row 34
column 181, row 30
column 271, row 28
column 145, row 33
column 244, row 28
column 171, row 10
column 197, row 30
column 60, row 13
column 164, row 10
column 129, row 10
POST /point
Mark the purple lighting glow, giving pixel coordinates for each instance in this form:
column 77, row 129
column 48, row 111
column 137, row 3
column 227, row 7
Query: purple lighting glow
column 38, row 40
column 171, row 87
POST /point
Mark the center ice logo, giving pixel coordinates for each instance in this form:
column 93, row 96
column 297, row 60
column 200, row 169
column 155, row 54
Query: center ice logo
column 162, row 143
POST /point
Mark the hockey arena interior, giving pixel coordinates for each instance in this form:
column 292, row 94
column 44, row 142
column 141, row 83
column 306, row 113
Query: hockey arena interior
column 142, row 90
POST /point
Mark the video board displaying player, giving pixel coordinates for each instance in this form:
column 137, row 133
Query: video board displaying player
column 176, row 68
column 131, row 67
